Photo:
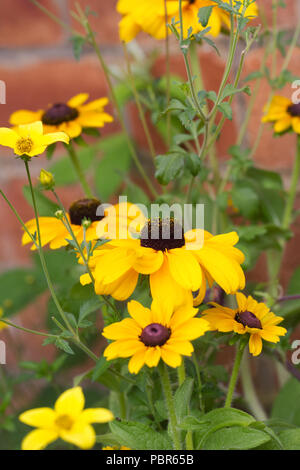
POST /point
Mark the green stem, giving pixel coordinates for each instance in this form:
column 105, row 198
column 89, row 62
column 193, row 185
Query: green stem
column 92, row 40
column 234, row 374
column 168, row 72
column 122, row 404
column 27, row 330
column 287, row 217
column 249, row 390
column 138, row 103
column 77, row 167
column 181, row 373
column 41, row 253
column 199, row 381
column 19, row 218
column 166, row 384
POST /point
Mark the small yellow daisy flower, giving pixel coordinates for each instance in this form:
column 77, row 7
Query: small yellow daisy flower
column 250, row 317
column 150, row 16
column 284, row 114
column 175, row 271
column 68, row 421
column 70, row 117
column 154, row 334
column 54, row 232
column 29, row 139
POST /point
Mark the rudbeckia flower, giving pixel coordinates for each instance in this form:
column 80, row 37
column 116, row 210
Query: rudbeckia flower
column 68, row 421
column 70, row 117
column 54, row 232
column 154, row 334
column 149, row 16
column 175, row 270
column 250, row 317
column 30, row 139
column 284, row 114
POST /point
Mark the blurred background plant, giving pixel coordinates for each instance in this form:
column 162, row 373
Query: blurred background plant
column 242, row 176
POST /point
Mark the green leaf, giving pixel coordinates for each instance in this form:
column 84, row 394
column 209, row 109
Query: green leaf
column 204, row 15
column 44, row 205
column 169, row 167
column 140, row 436
column 287, row 405
column 267, row 179
column 290, row 439
column 182, row 398
column 77, row 43
column 113, row 166
column 225, row 109
column 99, row 369
column 235, row 438
column 245, row 199
column 18, row 288
column 63, row 169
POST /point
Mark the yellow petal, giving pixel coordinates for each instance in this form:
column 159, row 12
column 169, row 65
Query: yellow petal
column 25, row 117
column 255, row 344
column 127, row 328
column 78, row 100
column 137, row 361
column 8, row 137
column 171, row 358
column 38, row 439
column 83, row 437
column 39, row 417
column 148, row 261
column 70, row 402
column 282, row 124
column 296, row 124
column 96, row 415
column 152, row 356
column 185, row 269
column 140, row 314
column 49, row 139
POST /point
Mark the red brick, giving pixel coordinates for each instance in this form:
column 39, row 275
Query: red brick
column 287, row 16
column 24, row 24
column 104, row 23
column 35, row 86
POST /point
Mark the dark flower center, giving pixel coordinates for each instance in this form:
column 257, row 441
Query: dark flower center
column 248, row 319
column 58, row 113
column 294, row 110
column 191, row 2
column 155, row 335
column 162, row 234
column 84, row 209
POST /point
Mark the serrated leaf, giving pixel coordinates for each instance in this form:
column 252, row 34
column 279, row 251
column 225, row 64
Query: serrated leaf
column 140, row 436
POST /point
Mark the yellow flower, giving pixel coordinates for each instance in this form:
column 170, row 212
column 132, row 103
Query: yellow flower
column 54, row 231
column 175, row 270
column 250, row 317
column 68, row 421
column 2, row 325
column 150, row 16
column 68, row 117
column 29, row 139
column 154, row 334
column 116, row 448
column 284, row 114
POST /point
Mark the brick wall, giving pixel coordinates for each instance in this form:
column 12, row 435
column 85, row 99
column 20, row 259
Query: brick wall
column 38, row 68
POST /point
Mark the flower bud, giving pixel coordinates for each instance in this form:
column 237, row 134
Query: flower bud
column 46, row 179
